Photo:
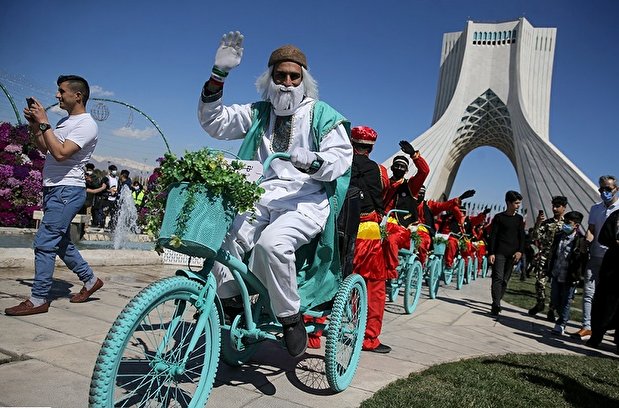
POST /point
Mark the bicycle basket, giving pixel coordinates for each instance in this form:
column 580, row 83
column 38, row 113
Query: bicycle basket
column 439, row 248
column 199, row 219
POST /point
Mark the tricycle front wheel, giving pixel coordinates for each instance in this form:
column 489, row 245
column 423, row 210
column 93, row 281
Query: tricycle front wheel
column 345, row 332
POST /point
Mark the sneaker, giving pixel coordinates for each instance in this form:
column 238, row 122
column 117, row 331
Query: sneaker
column 539, row 307
column 381, row 348
column 550, row 316
column 295, row 335
column 26, row 308
column 558, row 330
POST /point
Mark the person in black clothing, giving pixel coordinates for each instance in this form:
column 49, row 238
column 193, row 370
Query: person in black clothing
column 505, row 247
column 605, row 311
column 369, row 259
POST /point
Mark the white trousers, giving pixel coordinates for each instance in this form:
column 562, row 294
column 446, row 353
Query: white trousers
column 273, row 237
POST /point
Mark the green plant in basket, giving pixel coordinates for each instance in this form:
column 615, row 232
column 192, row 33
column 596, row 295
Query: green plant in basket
column 416, row 239
column 204, row 170
column 462, row 244
column 439, row 240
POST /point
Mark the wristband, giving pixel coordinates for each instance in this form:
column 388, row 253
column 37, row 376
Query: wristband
column 219, row 72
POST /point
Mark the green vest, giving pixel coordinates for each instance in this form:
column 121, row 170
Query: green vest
column 318, row 263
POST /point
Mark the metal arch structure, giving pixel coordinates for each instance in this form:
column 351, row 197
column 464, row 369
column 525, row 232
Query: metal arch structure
column 494, row 90
column 132, row 108
column 10, row 98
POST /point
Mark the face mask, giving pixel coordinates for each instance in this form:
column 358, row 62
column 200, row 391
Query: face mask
column 113, row 173
column 567, row 228
column 607, row 196
column 89, row 172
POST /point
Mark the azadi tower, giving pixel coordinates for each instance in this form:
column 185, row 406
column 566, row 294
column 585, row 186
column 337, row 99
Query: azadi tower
column 494, row 90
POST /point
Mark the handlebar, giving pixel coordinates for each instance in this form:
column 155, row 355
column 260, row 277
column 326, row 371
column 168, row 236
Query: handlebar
column 383, row 222
column 284, row 156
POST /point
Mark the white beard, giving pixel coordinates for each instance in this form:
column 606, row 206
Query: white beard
column 285, row 99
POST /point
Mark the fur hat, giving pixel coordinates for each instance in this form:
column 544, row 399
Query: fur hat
column 288, row 53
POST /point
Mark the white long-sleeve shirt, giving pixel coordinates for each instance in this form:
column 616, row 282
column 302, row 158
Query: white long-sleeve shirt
column 286, row 187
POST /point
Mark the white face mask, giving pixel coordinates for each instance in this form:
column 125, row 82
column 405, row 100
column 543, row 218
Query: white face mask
column 285, row 99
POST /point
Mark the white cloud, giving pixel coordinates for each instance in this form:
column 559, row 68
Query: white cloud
column 132, row 133
column 97, row 91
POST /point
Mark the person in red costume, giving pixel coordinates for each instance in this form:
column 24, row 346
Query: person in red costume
column 427, row 211
column 401, row 194
column 470, row 223
column 453, row 223
column 369, row 259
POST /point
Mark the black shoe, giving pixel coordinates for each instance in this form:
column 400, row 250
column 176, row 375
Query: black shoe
column 232, row 307
column 495, row 310
column 295, row 335
column 539, row 307
column 382, row 349
column 593, row 343
column 551, row 316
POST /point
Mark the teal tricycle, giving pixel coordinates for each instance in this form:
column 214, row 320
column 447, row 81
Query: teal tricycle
column 458, row 267
column 410, row 276
column 164, row 348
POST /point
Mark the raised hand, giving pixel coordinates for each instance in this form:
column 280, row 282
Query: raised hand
column 230, row 51
column 467, row 194
column 487, row 210
column 407, row 147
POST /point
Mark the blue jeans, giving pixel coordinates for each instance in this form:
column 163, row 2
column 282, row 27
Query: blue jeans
column 561, row 295
column 60, row 204
column 592, row 276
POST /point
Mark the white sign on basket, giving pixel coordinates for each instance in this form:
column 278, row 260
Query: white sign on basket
column 252, row 169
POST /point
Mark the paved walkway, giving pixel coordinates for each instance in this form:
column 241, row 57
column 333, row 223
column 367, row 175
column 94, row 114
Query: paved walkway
column 47, row 360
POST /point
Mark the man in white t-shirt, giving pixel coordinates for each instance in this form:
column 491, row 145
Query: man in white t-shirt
column 609, row 193
column 68, row 148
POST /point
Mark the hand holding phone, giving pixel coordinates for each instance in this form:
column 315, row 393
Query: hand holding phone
column 30, row 102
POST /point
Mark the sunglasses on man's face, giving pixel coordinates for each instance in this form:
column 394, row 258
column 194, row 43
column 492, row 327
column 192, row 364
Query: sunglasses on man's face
column 606, row 189
column 280, row 76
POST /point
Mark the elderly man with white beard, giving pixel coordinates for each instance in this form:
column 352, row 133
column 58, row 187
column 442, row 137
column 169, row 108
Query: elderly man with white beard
column 299, row 203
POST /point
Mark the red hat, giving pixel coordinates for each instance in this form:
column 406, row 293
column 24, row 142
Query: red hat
column 363, row 135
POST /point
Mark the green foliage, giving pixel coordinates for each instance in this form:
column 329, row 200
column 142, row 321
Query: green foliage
column 204, row 169
column 439, row 240
column 415, row 239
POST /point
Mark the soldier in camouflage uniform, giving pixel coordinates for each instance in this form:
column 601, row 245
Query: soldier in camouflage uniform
column 543, row 235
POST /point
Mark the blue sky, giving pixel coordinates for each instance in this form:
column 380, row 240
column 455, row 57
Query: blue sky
column 376, row 62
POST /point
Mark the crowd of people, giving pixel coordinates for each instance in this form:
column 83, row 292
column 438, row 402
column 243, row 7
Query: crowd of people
column 103, row 193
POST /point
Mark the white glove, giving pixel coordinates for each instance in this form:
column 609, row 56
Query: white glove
column 302, row 158
column 230, row 51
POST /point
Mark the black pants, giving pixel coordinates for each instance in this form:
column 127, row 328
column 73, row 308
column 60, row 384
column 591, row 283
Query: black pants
column 501, row 272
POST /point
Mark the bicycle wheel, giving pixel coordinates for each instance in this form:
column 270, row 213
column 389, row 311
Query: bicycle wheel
column 345, row 332
column 459, row 267
column 434, row 267
column 412, row 288
column 475, row 267
column 141, row 360
column 448, row 274
column 484, row 267
column 468, row 275
column 392, row 287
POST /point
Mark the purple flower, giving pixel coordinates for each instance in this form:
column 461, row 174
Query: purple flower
column 12, row 182
column 8, row 158
column 21, row 135
column 21, row 172
column 6, row 171
column 7, row 219
column 5, row 132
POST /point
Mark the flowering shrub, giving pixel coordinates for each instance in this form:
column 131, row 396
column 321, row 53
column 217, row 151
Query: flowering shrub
column 21, row 180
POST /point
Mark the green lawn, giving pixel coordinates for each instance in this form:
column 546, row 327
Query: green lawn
column 514, row 380
column 522, row 294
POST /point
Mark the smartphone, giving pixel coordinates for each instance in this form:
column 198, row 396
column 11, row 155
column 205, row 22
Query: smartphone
column 30, row 102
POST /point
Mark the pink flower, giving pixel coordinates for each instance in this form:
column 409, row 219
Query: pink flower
column 13, row 148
